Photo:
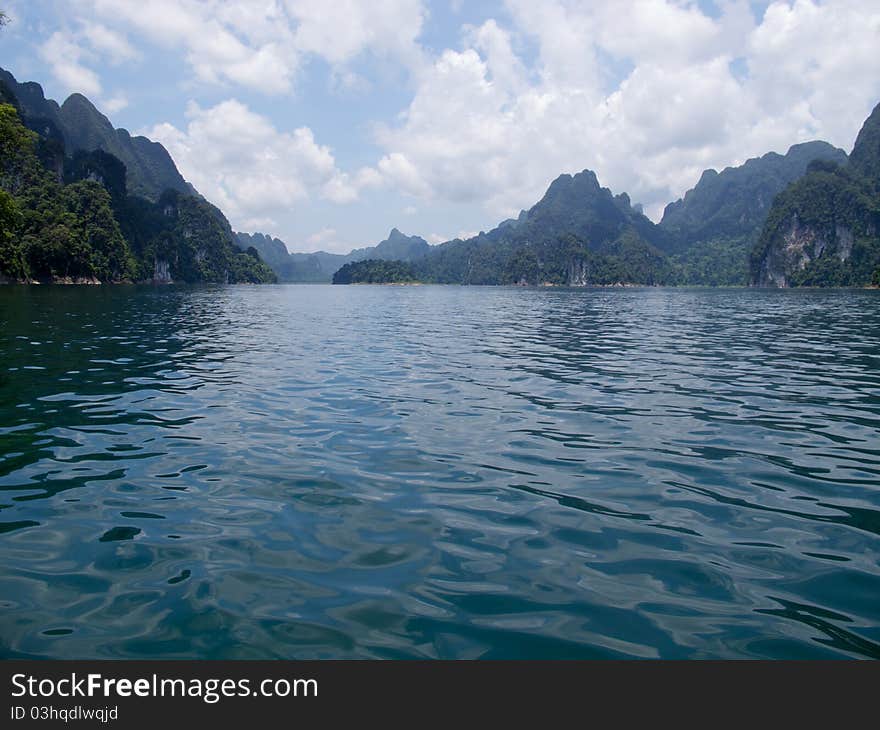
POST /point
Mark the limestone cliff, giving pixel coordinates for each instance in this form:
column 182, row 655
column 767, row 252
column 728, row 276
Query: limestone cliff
column 824, row 229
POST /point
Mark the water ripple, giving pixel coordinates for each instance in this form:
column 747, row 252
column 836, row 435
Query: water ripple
column 315, row 472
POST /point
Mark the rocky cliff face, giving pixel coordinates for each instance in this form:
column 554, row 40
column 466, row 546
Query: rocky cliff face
column 578, row 274
column 798, row 245
column 822, row 230
column 161, row 271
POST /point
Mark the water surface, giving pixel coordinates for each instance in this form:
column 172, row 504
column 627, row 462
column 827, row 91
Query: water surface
column 404, row 472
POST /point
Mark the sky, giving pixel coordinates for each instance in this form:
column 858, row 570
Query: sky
column 328, row 123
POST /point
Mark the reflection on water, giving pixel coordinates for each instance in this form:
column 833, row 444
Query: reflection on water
column 313, row 471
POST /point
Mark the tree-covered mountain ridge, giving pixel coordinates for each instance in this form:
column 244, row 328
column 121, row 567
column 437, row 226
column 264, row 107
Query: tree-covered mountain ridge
column 82, row 202
column 581, row 234
column 824, row 229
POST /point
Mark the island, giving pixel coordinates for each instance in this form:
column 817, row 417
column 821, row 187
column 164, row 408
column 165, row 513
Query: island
column 376, row 271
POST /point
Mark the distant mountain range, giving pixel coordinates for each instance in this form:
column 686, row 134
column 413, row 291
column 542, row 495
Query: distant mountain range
column 810, row 217
column 320, row 266
column 580, row 233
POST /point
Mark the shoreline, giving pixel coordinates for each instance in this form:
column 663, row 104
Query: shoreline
column 91, row 282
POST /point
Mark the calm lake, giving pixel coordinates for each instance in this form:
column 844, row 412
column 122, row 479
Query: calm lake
column 454, row 472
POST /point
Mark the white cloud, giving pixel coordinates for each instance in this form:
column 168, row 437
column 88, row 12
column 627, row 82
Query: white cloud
column 481, row 127
column 240, row 43
column 114, row 46
column 70, row 56
column 820, row 57
column 436, row 238
column 345, row 188
column 115, row 103
column 641, row 91
column 258, row 224
column 326, row 239
column 65, row 58
column 242, row 163
column 658, row 31
column 263, row 45
column 322, row 236
column 340, row 30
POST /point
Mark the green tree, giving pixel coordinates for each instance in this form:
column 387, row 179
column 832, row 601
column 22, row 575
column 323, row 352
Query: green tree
column 12, row 261
column 375, row 271
column 97, row 233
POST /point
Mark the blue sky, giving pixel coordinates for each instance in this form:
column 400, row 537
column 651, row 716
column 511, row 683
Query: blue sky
column 328, row 123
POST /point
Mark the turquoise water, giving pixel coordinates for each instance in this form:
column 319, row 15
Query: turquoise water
column 316, row 471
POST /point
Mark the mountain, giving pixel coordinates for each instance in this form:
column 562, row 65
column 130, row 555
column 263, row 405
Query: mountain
column 320, row 266
column 29, row 100
column 710, row 231
column 196, row 243
column 301, row 268
column 397, row 246
column 271, row 250
column 66, row 214
column 578, row 233
column 824, row 229
column 149, row 168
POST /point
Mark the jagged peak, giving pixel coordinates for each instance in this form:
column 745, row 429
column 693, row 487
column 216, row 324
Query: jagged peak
column 34, row 87
column 586, row 174
column 77, row 106
column 566, row 184
column 708, row 174
column 28, row 94
column 77, row 99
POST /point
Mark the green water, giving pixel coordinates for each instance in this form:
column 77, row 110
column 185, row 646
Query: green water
column 316, row 471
